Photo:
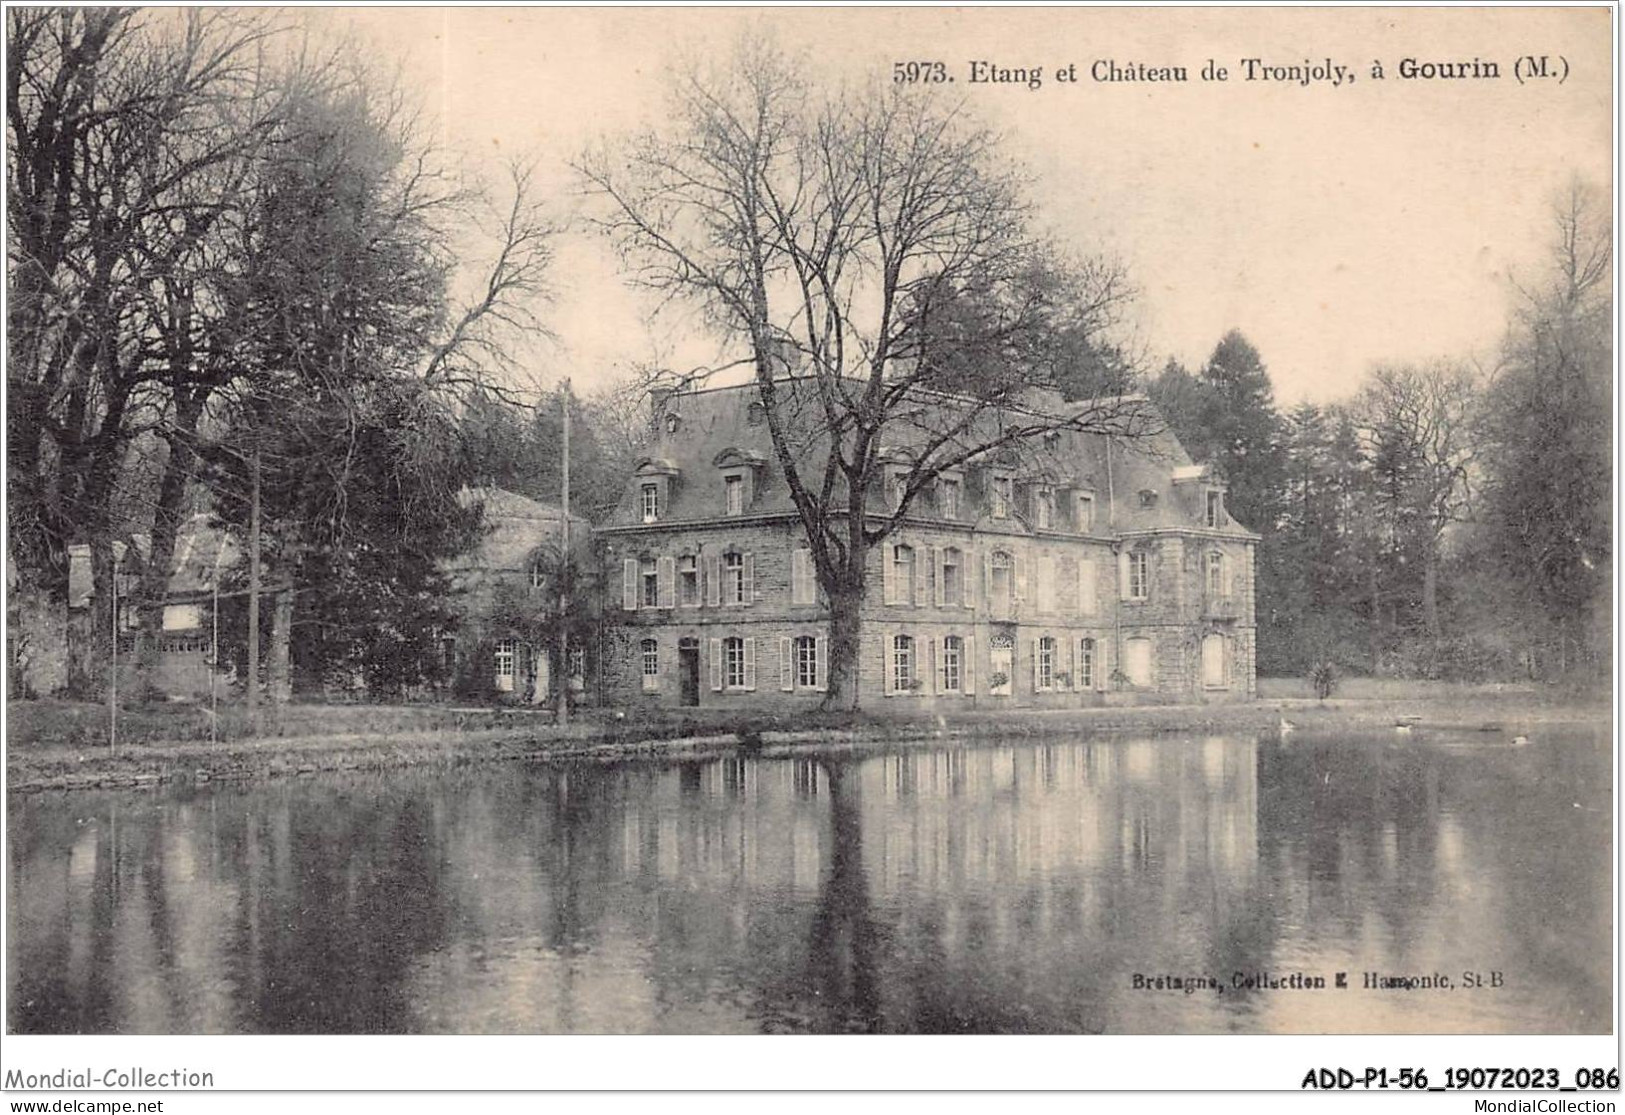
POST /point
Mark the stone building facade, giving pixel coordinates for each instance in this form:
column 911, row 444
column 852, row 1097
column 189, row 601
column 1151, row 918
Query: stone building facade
column 1090, row 571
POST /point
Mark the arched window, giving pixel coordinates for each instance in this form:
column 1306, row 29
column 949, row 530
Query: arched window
column 902, row 662
column 806, row 651
column 537, row 573
column 649, row 653
column 1044, row 663
column 953, row 664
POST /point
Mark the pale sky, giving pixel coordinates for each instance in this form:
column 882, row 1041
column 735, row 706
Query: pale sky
column 1337, row 227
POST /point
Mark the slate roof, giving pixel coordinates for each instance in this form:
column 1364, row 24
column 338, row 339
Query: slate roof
column 696, row 429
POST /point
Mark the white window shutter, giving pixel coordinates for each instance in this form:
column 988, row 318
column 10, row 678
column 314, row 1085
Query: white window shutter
column 798, row 577
column 885, row 665
column 922, row 576
column 888, row 578
column 967, row 664
column 931, row 665
column 716, row 665
column 937, row 567
column 1087, row 603
column 1035, row 664
column 713, row 580
column 787, row 665
column 750, row 579
column 668, row 582
column 967, row 577
column 821, row 667
column 750, row 662
column 629, row 585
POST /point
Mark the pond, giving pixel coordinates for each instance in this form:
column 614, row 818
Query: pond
column 1124, row 885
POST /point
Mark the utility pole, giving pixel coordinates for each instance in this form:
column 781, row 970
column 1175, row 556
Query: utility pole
column 254, row 591
column 563, row 672
column 112, row 688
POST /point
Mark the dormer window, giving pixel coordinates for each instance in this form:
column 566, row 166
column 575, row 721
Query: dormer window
column 651, row 502
column 899, row 489
column 1003, row 496
column 1043, row 508
column 538, row 573
column 948, row 497
column 1083, row 511
column 1213, row 515
column 672, row 422
column 756, row 414
column 734, row 490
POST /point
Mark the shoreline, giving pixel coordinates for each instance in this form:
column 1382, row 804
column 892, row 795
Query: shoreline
column 66, row 766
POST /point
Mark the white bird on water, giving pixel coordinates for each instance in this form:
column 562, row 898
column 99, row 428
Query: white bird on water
column 1403, row 729
column 1287, row 726
column 1520, row 741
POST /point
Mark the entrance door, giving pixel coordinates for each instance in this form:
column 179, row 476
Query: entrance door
column 1001, row 663
column 688, row 674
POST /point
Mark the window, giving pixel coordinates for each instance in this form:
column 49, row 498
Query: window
column 807, row 662
column 1084, row 506
column 1003, row 490
column 1215, row 509
column 648, row 583
column 1139, row 575
column 651, row 502
column 733, row 663
column 756, row 414
column 899, row 489
column 734, row 486
column 506, row 656
column 902, row 663
column 650, row 652
column 999, row 579
column 1044, row 507
column 1214, row 672
column 733, row 578
column 672, row 422
column 538, row 574
column 953, row 578
column 953, row 655
column 948, row 492
column 688, row 581
column 578, row 662
column 1086, row 664
column 902, row 575
column 1044, row 664
column 1215, row 574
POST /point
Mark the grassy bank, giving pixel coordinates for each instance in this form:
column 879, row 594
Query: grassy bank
column 56, row 745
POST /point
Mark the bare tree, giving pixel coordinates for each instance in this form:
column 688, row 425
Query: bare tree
column 872, row 253
column 1418, row 426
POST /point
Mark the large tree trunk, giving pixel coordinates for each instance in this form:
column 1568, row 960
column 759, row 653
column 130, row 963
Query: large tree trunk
column 845, row 644
column 281, row 678
column 166, row 524
column 1430, row 592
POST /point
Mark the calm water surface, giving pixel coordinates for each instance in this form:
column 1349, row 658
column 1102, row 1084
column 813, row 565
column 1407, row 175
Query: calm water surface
column 984, row 888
